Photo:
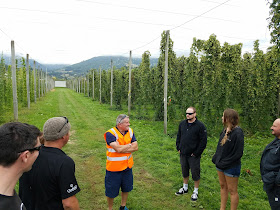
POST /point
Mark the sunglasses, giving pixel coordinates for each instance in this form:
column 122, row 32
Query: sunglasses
column 32, row 149
column 66, row 121
column 189, row 113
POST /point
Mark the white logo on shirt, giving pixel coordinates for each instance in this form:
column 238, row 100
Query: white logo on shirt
column 73, row 188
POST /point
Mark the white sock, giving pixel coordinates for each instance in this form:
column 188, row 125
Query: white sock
column 185, row 186
column 195, row 190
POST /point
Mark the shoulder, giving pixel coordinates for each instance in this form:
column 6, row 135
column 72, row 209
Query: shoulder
column 238, row 131
column 200, row 124
column 183, row 122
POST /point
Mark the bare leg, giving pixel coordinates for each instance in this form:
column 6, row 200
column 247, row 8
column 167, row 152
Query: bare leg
column 124, row 198
column 223, row 190
column 186, row 180
column 196, row 183
column 232, row 183
column 110, row 203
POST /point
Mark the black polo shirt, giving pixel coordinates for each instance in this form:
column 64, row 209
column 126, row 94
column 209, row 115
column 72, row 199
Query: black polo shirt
column 51, row 179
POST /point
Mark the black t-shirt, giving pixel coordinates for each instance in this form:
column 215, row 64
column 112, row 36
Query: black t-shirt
column 11, row 202
column 51, row 180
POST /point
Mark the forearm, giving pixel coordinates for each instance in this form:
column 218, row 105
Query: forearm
column 71, row 203
column 127, row 148
column 132, row 148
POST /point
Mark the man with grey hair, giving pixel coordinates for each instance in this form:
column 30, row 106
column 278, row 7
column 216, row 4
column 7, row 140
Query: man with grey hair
column 120, row 143
column 52, row 180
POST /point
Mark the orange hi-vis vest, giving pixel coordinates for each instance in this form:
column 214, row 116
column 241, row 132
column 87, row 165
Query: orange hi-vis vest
column 119, row 161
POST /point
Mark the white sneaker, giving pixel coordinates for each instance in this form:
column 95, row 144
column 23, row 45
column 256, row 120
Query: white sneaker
column 181, row 191
column 194, row 196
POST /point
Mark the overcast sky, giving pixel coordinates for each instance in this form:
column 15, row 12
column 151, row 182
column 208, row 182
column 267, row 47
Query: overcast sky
column 70, row 31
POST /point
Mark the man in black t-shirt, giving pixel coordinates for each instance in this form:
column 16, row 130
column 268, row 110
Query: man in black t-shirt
column 19, row 146
column 52, row 184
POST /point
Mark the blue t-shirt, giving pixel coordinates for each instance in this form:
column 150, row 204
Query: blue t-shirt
column 111, row 138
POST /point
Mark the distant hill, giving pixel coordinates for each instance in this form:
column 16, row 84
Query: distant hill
column 105, row 63
column 63, row 71
column 49, row 67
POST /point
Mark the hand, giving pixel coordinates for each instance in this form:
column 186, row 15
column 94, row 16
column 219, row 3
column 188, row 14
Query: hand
column 192, row 155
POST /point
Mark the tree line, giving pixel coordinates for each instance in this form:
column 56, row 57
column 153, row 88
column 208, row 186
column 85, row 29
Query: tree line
column 213, row 77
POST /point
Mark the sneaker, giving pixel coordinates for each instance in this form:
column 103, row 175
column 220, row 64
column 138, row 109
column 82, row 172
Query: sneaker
column 181, row 191
column 125, row 208
column 194, row 196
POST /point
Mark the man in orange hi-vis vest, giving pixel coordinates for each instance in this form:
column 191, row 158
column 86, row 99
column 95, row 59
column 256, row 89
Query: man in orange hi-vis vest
column 120, row 143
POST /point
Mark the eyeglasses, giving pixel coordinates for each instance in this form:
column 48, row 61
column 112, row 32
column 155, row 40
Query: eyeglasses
column 189, row 113
column 66, row 121
column 32, row 149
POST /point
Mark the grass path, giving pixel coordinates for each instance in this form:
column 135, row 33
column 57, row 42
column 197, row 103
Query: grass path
column 157, row 172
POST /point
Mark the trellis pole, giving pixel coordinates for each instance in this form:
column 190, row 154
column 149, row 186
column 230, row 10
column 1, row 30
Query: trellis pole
column 92, row 84
column 14, row 80
column 166, row 81
column 27, row 81
column 129, row 83
column 100, row 85
column 111, row 83
column 35, row 87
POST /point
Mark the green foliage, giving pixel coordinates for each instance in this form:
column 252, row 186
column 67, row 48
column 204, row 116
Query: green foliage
column 6, row 91
column 274, row 24
column 212, row 78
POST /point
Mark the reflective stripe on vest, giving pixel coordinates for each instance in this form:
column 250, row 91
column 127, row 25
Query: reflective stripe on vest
column 119, row 158
column 116, row 135
column 111, row 150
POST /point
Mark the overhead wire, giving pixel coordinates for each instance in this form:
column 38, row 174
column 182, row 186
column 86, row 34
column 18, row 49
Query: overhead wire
column 138, row 22
column 184, row 22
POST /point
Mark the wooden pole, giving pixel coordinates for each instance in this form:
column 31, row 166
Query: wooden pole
column 87, row 84
column 92, row 84
column 166, row 82
column 129, row 83
column 14, row 80
column 27, row 81
column 46, row 80
column 35, row 87
column 100, row 85
column 84, row 80
column 39, row 83
column 111, row 83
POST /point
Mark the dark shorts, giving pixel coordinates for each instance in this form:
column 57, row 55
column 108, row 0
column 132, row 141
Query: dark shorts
column 190, row 162
column 116, row 180
column 231, row 172
column 274, row 198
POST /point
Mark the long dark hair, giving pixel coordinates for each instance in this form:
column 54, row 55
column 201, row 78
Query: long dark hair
column 231, row 120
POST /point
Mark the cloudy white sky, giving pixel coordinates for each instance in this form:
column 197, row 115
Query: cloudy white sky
column 70, row 31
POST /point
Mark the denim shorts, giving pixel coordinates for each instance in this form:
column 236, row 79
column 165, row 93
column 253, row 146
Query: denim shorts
column 116, row 180
column 231, row 172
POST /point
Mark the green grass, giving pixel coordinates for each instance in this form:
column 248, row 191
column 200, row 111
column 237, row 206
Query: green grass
column 157, row 173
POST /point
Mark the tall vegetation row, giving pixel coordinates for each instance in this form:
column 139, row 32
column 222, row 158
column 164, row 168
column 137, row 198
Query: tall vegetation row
column 213, row 77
